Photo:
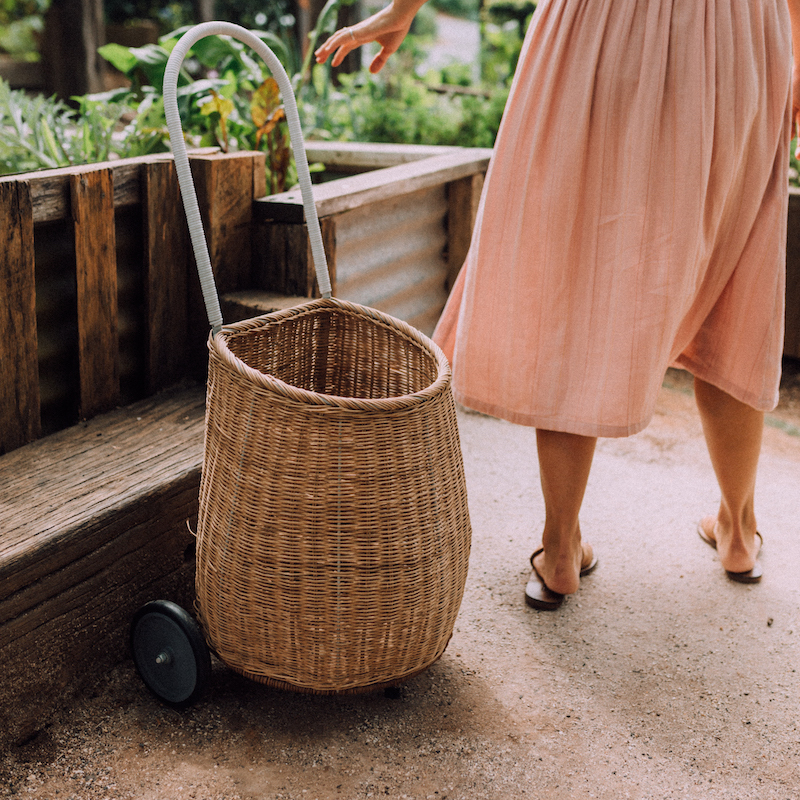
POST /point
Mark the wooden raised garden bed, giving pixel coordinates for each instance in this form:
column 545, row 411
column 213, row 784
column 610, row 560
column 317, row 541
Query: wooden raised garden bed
column 102, row 345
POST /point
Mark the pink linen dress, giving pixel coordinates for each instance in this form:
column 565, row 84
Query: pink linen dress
column 633, row 217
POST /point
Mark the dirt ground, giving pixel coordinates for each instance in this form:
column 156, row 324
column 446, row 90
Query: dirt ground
column 659, row 679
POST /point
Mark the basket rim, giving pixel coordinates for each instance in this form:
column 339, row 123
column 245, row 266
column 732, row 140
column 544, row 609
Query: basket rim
column 218, row 344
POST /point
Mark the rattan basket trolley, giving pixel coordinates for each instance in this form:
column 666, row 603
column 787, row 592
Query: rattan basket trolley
column 333, row 534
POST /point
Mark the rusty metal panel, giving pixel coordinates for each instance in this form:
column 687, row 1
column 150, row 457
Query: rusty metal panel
column 392, row 256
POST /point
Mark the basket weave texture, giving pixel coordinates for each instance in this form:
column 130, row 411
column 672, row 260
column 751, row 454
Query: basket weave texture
column 334, row 533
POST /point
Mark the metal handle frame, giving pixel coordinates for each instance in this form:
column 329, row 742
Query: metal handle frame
column 188, row 194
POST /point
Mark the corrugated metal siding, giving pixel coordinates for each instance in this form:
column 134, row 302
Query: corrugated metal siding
column 392, row 256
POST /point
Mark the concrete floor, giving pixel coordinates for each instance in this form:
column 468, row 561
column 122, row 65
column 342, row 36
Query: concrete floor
column 659, row 679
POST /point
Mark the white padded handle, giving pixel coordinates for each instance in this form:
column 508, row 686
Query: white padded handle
column 199, row 244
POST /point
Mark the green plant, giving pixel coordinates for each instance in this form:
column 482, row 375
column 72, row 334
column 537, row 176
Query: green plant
column 21, row 25
column 226, row 99
column 225, row 96
column 394, row 106
column 503, row 27
column 169, row 15
column 43, row 132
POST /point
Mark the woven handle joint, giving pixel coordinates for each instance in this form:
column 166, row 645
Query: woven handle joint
column 188, row 194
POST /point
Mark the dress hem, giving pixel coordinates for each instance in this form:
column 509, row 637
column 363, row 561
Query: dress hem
column 577, row 427
column 702, row 371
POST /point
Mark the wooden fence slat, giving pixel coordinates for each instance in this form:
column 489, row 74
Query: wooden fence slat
column 167, row 263
column 92, row 197
column 20, row 420
column 225, row 185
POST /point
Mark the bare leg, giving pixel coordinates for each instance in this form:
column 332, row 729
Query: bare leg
column 565, row 460
column 733, row 433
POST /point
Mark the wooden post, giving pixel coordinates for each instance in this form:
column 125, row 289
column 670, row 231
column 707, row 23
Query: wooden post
column 92, row 195
column 463, row 197
column 74, row 30
column 225, row 186
column 167, row 263
column 203, row 10
column 282, row 261
column 19, row 378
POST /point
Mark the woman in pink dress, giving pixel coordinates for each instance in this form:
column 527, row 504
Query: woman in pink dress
column 633, row 218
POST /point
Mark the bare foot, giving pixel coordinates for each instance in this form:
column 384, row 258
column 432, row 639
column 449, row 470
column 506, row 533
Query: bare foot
column 737, row 552
column 562, row 573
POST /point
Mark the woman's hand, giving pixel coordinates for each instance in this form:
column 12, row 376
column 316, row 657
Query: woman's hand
column 388, row 28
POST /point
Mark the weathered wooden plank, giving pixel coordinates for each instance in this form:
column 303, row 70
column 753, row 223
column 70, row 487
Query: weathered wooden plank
column 224, row 184
column 282, row 260
column 463, row 198
column 57, row 493
column 50, row 189
column 94, row 523
column 259, row 177
column 359, row 190
column 92, row 199
column 167, row 263
column 792, row 338
column 74, row 30
column 19, row 378
column 367, row 156
column 66, row 642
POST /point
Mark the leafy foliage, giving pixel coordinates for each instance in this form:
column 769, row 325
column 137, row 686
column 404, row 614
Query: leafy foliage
column 40, row 132
column 21, row 25
column 394, row 106
column 226, row 99
column 12, row 10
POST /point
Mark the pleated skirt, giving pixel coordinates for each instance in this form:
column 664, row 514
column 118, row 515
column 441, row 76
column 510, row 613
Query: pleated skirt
column 633, row 216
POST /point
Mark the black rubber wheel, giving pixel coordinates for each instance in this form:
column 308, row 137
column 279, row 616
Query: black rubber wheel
column 169, row 652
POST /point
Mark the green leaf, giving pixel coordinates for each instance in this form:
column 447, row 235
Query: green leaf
column 217, row 103
column 211, row 50
column 120, row 57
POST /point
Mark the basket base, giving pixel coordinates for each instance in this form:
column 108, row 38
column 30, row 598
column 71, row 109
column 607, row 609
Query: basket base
column 273, row 683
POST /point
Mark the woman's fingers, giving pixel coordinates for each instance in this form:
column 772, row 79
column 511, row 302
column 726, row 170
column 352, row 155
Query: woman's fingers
column 387, row 28
column 340, row 43
column 377, row 63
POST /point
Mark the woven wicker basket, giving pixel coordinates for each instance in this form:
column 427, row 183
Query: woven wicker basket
column 334, row 533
